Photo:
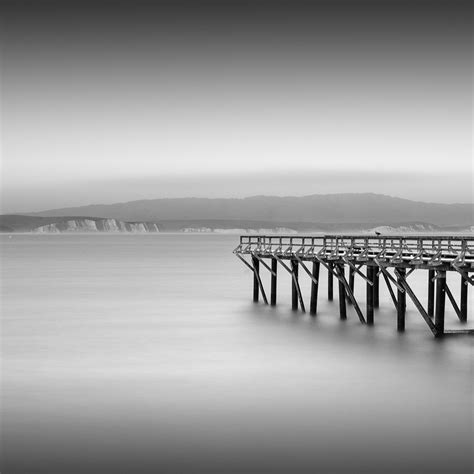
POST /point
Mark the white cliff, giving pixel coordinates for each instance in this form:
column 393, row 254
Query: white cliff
column 97, row 225
column 47, row 229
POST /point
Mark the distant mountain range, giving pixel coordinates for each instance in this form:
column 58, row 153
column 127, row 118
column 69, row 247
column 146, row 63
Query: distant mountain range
column 328, row 212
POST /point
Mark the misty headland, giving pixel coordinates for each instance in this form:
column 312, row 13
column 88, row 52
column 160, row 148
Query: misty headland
column 314, row 213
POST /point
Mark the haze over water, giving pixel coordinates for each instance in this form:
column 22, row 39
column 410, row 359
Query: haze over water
column 144, row 353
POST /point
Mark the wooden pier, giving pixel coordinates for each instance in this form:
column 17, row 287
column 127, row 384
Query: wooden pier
column 345, row 257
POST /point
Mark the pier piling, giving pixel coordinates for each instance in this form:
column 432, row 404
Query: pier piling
column 256, row 270
column 464, row 289
column 273, row 288
column 342, row 294
column 351, row 283
column 440, row 302
column 330, row 281
column 431, row 287
column 376, row 286
column 370, row 296
column 314, row 289
column 294, row 283
column 401, row 301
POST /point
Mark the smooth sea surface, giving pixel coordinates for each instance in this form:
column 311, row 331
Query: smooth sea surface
column 145, row 353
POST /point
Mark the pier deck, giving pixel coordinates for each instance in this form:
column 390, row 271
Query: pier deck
column 394, row 257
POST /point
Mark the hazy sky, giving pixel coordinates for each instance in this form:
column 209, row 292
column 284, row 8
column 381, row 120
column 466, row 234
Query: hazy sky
column 109, row 101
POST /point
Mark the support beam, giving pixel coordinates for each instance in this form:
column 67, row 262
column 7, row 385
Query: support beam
column 401, row 301
column 453, row 302
column 342, row 295
column 330, row 281
column 431, row 293
column 406, row 287
column 262, row 261
column 294, row 291
column 390, row 290
column 376, row 287
column 356, row 269
column 440, row 302
column 342, row 279
column 256, row 270
column 370, row 296
column 305, row 268
column 351, row 283
column 464, row 289
column 314, row 289
column 273, row 290
column 295, row 288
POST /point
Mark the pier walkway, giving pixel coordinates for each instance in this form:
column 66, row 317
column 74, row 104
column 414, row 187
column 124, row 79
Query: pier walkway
column 394, row 257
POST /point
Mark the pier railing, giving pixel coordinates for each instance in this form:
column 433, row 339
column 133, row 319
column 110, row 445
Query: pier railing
column 379, row 254
column 422, row 251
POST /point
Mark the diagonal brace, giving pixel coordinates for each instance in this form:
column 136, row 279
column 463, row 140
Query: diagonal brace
column 390, row 290
column 453, row 302
column 385, row 272
column 305, row 268
column 347, row 287
column 265, row 264
column 417, row 303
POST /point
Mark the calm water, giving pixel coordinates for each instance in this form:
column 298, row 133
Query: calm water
column 144, row 353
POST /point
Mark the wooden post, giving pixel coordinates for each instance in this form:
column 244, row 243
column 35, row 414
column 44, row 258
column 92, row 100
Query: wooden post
column 440, row 302
column 342, row 295
column 273, row 294
column 401, row 302
column 431, row 287
column 294, row 290
column 256, row 269
column 314, row 289
column 330, row 282
column 351, row 283
column 370, row 296
column 376, row 286
column 464, row 288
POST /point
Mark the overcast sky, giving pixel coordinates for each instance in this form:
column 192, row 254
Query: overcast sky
column 110, row 101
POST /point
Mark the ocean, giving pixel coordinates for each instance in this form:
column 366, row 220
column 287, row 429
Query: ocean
column 145, row 353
